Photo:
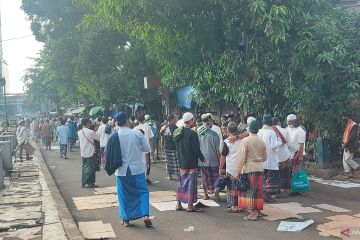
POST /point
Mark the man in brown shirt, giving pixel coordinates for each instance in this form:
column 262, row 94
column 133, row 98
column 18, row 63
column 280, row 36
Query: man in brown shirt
column 46, row 132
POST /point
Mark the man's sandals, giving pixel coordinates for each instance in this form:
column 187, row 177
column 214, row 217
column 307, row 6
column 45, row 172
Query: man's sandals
column 147, row 223
column 194, row 209
column 93, row 185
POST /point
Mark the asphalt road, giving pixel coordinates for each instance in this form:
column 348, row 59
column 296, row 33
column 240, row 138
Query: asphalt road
column 214, row 223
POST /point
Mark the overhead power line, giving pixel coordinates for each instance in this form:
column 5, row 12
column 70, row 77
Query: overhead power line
column 16, row 38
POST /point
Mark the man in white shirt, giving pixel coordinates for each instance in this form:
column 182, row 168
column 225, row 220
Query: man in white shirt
column 283, row 154
column 229, row 157
column 271, row 164
column 22, row 137
column 297, row 140
column 145, row 127
column 104, row 137
column 87, row 151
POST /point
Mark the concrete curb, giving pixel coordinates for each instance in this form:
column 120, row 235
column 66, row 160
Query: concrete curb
column 70, row 227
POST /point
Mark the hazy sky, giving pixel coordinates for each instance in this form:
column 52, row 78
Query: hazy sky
column 17, row 53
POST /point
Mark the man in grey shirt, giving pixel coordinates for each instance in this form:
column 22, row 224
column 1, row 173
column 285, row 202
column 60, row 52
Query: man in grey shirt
column 209, row 146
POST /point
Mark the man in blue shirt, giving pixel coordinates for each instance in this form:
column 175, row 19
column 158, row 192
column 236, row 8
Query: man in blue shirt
column 132, row 191
column 62, row 133
column 72, row 132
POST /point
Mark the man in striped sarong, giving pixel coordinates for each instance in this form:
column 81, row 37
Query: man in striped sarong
column 167, row 131
column 209, row 145
column 271, row 164
column 283, row 156
column 250, row 162
column 188, row 148
column 229, row 156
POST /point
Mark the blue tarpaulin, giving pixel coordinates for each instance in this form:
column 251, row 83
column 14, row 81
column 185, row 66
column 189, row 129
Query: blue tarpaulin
column 183, row 96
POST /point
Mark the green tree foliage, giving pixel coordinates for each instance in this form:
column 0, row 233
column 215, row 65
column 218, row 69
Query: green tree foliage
column 54, row 23
column 278, row 56
column 111, row 66
column 84, row 59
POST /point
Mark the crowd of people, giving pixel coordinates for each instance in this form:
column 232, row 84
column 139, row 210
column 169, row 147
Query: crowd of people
column 254, row 164
column 253, row 159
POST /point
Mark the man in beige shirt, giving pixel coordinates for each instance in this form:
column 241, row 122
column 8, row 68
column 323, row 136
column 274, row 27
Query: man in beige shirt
column 250, row 164
column 252, row 153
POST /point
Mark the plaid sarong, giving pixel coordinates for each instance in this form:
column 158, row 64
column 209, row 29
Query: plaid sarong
column 253, row 197
column 172, row 163
column 284, row 171
column 210, row 178
column 271, row 182
column 47, row 141
column 232, row 194
column 89, row 170
column 187, row 186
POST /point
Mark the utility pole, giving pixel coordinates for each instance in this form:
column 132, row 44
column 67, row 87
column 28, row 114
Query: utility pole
column 2, row 78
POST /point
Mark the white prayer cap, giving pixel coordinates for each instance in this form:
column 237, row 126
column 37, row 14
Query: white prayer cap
column 180, row 123
column 187, row 116
column 250, row 119
column 291, row 117
column 147, row 117
column 69, row 120
column 205, row 116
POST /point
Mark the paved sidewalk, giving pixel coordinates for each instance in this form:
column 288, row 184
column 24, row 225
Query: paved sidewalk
column 27, row 208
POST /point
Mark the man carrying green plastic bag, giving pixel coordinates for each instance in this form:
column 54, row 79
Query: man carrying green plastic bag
column 300, row 181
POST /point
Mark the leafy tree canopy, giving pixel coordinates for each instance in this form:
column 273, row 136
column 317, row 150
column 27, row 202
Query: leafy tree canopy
column 266, row 56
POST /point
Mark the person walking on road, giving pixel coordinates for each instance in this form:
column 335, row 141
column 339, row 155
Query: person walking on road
column 349, row 144
column 271, row 164
column 46, row 133
column 283, row 156
column 188, row 148
column 155, row 139
column 145, row 127
column 62, row 133
column 250, row 163
column 297, row 140
column 132, row 190
column 22, row 138
column 228, row 161
column 167, row 131
column 104, row 135
column 215, row 128
column 88, row 154
column 72, row 132
column 209, row 146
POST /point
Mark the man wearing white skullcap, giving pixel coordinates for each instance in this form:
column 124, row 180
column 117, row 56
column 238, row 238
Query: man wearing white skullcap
column 297, row 139
column 188, row 152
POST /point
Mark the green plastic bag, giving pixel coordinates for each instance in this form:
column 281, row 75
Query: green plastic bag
column 178, row 133
column 300, row 181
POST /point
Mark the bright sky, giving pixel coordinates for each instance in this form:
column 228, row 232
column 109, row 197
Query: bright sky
column 18, row 53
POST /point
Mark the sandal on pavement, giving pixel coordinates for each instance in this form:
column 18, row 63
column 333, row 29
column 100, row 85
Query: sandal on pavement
column 126, row 223
column 231, row 210
column 194, row 210
column 206, row 198
column 148, row 223
column 179, row 208
column 262, row 215
column 93, row 185
column 250, row 219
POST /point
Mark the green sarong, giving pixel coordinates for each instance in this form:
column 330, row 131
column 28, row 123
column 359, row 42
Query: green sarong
column 89, row 170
